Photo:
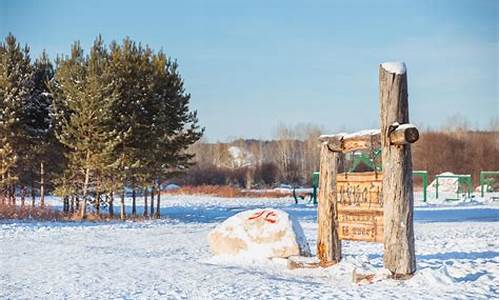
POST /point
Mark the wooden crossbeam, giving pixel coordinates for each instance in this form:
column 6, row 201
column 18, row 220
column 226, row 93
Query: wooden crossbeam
column 399, row 134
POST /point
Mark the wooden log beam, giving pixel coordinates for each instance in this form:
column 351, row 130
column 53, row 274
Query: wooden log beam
column 400, row 134
column 397, row 184
column 365, row 139
column 328, row 245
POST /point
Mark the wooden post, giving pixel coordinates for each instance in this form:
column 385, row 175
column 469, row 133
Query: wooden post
column 328, row 245
column 397, row 185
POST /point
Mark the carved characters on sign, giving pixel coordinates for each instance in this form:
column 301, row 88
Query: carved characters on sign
column 360, row 206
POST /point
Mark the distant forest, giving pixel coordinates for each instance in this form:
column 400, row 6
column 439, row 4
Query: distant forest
column 293, row 156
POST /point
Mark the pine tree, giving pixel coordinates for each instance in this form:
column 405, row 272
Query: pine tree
column 123, row 118
column 43, row 150
column 174, row 126
column 16, row 89
column 129, row 65
column 87, row 100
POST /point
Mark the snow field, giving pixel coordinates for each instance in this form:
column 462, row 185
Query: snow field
column 457, row 257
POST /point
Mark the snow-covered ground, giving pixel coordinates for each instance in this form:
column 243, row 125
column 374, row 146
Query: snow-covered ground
column 456, row 245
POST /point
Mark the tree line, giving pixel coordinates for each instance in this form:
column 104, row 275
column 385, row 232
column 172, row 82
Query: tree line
column 293, row 155
column 290, row 158
column 91, row 126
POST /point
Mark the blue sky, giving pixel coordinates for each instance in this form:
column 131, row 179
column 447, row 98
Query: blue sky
column 251, row 65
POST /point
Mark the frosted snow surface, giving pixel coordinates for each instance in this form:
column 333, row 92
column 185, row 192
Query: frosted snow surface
column 395, row 67
column 456, row 248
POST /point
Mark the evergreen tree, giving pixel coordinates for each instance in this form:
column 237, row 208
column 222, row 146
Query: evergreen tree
column 43, row 150
column 174, row 126
column 87, row 99
column 16, row 90
column 98, row 123
column 128, row 85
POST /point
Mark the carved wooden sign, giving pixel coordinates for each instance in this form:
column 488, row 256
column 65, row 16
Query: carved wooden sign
column 360, row 208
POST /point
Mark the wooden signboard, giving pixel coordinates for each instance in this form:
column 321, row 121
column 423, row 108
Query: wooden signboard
column 360, row 209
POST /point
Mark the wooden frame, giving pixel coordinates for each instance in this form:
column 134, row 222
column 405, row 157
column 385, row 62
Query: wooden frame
column 392, row 222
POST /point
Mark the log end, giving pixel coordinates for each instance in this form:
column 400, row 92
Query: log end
column 403, row 134
column 412, row 135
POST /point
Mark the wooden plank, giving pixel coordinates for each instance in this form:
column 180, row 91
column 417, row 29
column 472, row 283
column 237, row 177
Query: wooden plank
column 360, row 207
column 361, row 224
column 360, row 177
column 359, row 188
column 397, row 186
column 361, row 232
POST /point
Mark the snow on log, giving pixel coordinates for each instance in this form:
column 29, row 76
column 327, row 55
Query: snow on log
column 397, row 68
column 259, row 233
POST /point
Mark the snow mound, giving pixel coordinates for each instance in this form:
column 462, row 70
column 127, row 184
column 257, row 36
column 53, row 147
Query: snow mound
column 446, row 185
column 240, row 157
column 395, row 67
column 171, row 186
column 259, row 233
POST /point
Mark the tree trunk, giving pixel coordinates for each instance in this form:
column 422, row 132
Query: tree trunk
column 3, row 180
column 72, row 207
column 23, row 195
column 123, row 214
column 152, row 211
column 397, row 185
column 13, row 194
column 158, row 196
column 145, row 213
column 65, row 204
column 134, row 211
column 83, row 209
column 329, row 245
column 111, row 208
column 42, row 184
column 98, row 203
column 77, row 203
column 32, row 192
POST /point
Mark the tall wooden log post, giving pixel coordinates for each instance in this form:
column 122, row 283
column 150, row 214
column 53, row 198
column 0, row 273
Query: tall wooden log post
column 328, row 245
column 397, row 186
